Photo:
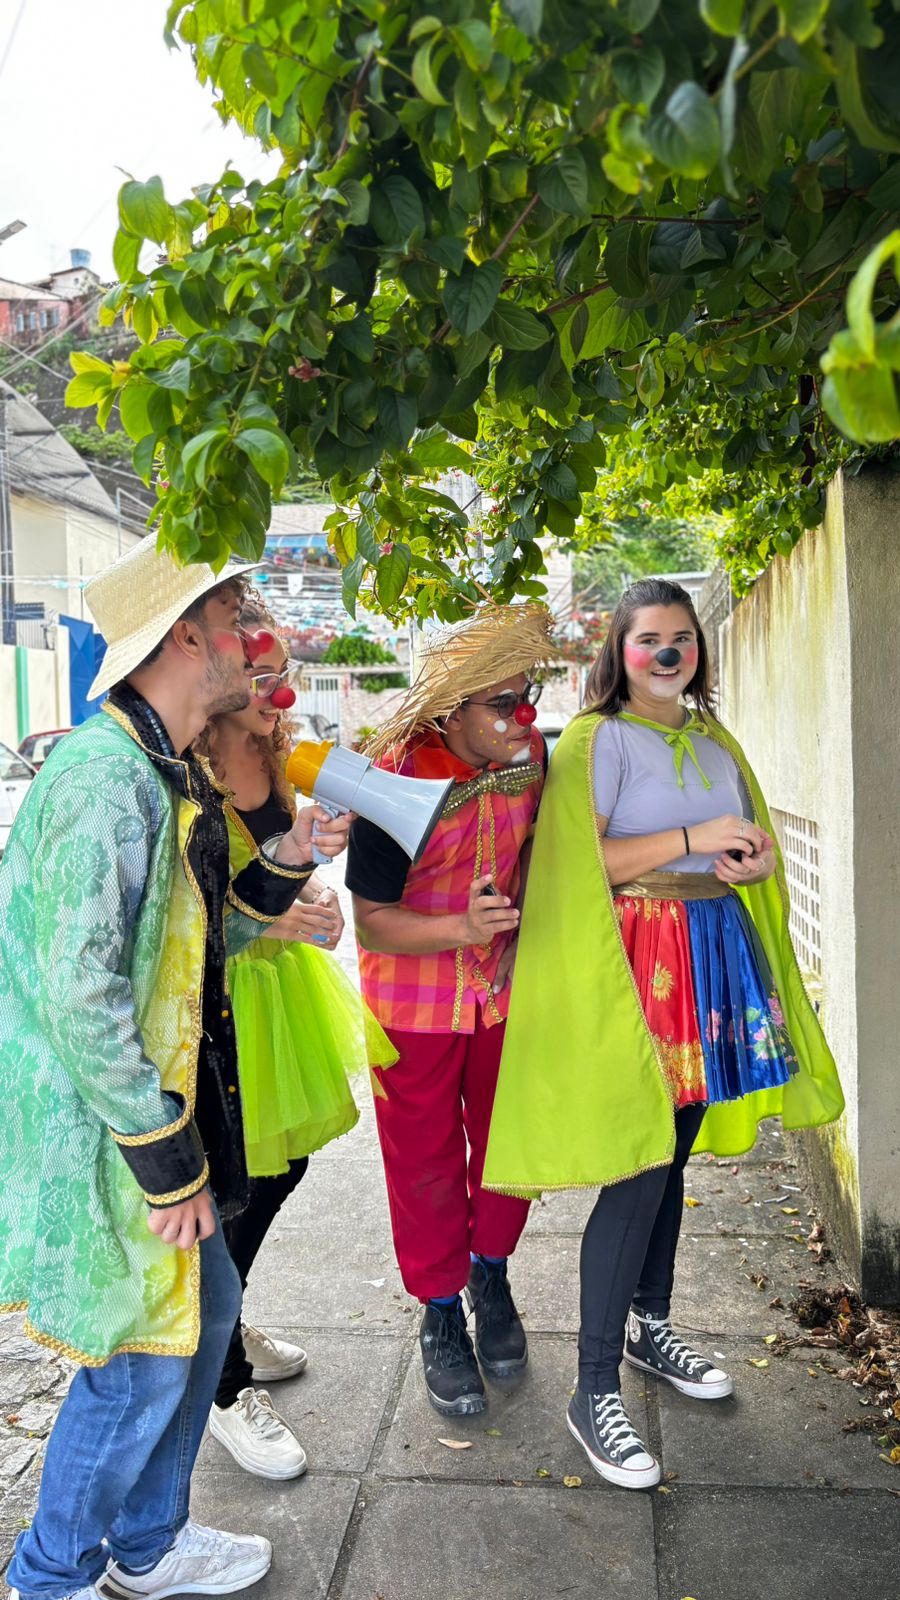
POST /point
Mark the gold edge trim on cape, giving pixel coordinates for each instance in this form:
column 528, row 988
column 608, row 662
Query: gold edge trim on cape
column 240, row 825
column 529, row 1190
column 176, row 1195
column 157, row 1134
column 149, row 1347
column 601, row 860
column 248, row 911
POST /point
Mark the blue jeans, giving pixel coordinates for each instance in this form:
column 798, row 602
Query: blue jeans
column 120, row 1457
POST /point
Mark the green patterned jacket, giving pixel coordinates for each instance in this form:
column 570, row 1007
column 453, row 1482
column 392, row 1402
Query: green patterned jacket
column 101, row 973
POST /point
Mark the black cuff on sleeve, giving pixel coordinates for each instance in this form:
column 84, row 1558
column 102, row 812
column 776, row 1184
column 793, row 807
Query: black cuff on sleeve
column 169, row 1163
column 264, row 889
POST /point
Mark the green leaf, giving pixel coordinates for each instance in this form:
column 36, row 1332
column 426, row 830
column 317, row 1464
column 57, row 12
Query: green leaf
column 177, row 376
column 397, row 413
column 686, row 137
column 441, row 452
column 126, row 252
column 884, row 195
column 195, row 456
column 268, row 452
column 800, row 18
column 526, row 14
column 651, row 381
column 351, row 578
column 356, row 336
column 423, row 75
column 626, row 258
column 358, row 200
column 559, row 481
column 144, row 210
column 391, row 575
column 476, row 43
column 853, row 100
column 134, row 401
column 516, row 328
column 470, row 298
column 564, row 185
column 723, row 16
column 639, row 74
column 424, row 26
column 87, row 389
column 396, row 210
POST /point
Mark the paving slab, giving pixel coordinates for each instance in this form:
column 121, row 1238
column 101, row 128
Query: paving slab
column 335, row 1406
column 782, row 1426
column 306, row 1522
column 294, row 1283
column 715, row 1287
column 521, row 1433
column 768, row 1544
column 455, row 1542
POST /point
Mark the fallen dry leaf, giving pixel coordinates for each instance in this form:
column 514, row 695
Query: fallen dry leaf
column 456, row 1444
column 493, row 1433
column 690, row 1201
column 790, row 1211
column 572, row 1483
column 756, row 1361
column 771, row 1338
column 541, row 1472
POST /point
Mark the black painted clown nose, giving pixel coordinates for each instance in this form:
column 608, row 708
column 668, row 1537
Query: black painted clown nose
column 670, row 657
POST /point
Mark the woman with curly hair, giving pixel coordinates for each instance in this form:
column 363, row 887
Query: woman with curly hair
column 300, row 1028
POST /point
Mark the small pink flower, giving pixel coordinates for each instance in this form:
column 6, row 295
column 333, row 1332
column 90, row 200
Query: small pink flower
column 776, row 1012
column 386, row 549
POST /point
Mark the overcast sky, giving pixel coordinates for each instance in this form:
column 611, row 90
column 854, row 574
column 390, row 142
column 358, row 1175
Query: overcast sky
column 89, row 87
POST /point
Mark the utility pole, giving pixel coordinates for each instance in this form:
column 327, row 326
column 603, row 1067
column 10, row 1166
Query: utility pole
column 119, row 518
column 8, row 598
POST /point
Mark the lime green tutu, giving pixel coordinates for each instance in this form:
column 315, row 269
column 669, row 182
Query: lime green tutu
column 301, row 1028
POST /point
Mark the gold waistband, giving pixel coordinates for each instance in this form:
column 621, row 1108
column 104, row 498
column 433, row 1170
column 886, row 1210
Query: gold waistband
column 674, row 886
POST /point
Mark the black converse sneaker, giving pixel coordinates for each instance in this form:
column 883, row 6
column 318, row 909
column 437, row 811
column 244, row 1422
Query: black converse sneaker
column 452, row 1378
column 500, row 1342
column 600, row 1424
column 652, row 1345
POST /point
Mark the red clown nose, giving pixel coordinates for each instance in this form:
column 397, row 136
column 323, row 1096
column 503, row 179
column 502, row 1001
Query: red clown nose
column 282, row 698
column 524, row 715
column 256, row 644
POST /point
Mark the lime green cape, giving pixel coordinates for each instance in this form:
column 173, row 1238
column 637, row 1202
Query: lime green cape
column 582, row 1098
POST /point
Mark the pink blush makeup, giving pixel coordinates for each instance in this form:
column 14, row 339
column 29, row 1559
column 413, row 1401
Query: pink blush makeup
column 639, row 656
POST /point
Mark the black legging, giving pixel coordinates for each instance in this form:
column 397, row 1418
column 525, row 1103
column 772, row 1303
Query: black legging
column 628, row 1257
column 244, row 1236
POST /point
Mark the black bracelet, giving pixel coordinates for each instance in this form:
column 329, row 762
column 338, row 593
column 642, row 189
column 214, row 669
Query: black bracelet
column 687, row 842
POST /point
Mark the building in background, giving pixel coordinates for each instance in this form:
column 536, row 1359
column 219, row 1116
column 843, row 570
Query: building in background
column 64, row 529
column 30, row 313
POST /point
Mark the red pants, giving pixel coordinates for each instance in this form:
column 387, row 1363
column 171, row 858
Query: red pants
column 438, row 1097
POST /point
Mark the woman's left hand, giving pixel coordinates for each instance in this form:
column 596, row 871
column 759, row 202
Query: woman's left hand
column 750, row 869
column 301, row 924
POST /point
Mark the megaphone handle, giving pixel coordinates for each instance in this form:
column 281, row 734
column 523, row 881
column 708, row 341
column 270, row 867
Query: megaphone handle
column 333, row 811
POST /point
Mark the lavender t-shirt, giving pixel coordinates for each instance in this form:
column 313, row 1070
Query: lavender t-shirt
column 635, row 786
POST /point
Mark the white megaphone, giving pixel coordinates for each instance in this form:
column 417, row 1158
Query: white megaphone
column 342, row 780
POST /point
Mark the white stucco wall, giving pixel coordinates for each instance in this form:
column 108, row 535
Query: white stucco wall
column 811, row 687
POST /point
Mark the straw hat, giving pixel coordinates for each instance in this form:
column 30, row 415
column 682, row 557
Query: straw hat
column 494, row 643
column 139, row 598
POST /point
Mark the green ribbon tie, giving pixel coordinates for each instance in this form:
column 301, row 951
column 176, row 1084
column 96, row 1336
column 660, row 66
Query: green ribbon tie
column 679, row 741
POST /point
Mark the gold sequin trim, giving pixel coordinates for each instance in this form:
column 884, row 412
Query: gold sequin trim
column 297, row 873
column 248, row 911
column 157, row 1134
column 512, row 780
column 176, row 1195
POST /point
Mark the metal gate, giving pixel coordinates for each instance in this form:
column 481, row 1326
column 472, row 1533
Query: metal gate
column 319, row 703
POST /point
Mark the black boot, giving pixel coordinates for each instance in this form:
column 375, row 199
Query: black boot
column 500, row 1340
column 451, row 1372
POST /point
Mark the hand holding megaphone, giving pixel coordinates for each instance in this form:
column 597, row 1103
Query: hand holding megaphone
column 342, row 781
column 321, row 833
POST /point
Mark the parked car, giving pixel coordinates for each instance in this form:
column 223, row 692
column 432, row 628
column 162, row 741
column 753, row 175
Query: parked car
column 15, row 775
column 36, row 747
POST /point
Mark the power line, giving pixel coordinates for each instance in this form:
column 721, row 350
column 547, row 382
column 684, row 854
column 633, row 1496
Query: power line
column 12, row 35
column 31, row 355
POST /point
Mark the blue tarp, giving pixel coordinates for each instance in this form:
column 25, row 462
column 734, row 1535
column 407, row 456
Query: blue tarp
column 86, row 651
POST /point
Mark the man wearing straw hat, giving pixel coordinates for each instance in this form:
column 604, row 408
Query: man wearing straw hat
column 436, row 948
column 118, row 1082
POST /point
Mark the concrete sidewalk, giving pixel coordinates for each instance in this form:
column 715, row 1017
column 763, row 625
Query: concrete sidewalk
column 765, row 1496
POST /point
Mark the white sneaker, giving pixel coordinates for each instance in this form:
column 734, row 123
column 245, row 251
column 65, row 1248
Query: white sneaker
column 272, row 1359
column 201, row 1561
column 77, row 1594
column 258, row 1438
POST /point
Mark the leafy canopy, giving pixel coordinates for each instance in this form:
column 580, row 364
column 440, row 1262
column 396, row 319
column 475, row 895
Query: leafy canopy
column 523, row 240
